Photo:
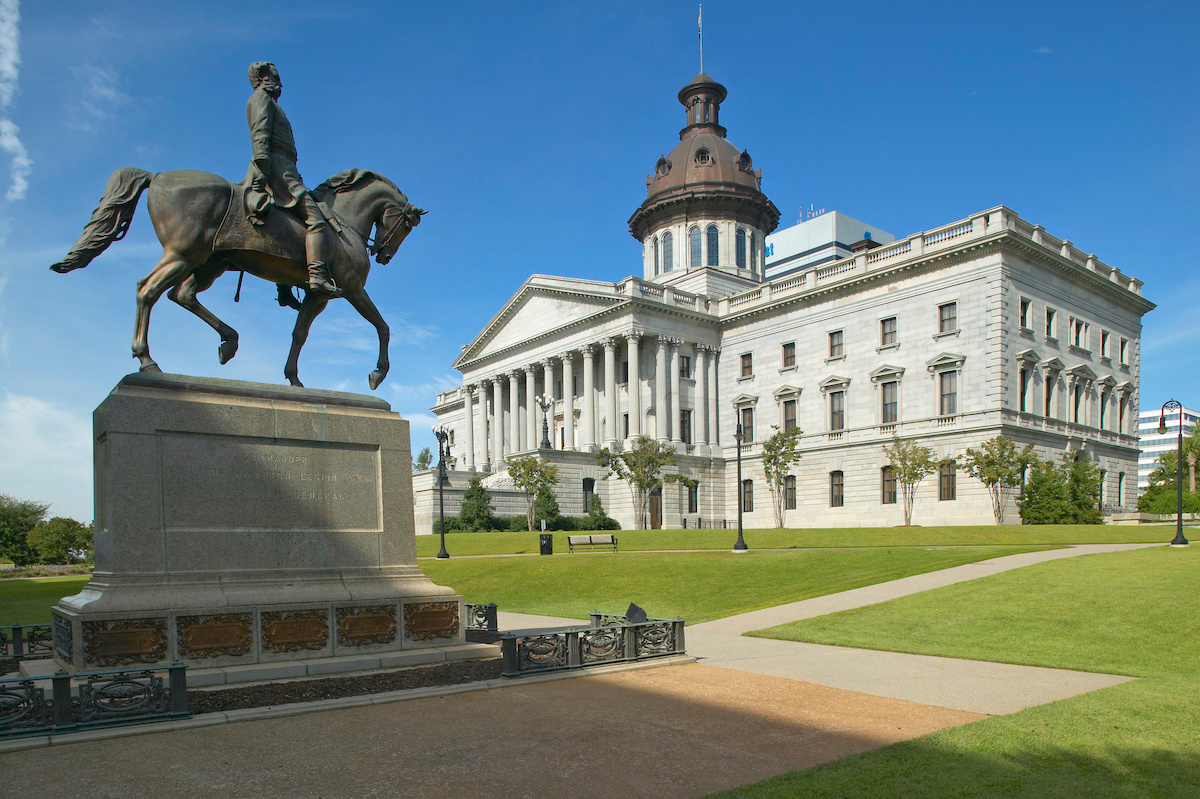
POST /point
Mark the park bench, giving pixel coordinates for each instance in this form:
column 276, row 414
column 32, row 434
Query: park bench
column 608, row 540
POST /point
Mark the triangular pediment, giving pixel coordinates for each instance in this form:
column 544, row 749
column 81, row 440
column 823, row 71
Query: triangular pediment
column 833, row 382
column 947, row 360
column 1053, row 365
column 886, row 371
column 1106, row 382
column 1082, row 370
column 745, row 399
column 786, row 391
column 542, row 306
column 1028, row 356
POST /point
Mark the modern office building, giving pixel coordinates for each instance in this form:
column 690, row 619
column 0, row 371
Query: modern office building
column 1152, row 443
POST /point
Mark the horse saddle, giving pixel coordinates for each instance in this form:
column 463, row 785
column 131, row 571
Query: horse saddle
column 281, row 233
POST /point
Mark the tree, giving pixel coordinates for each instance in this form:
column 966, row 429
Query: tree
column 999, row 466
column 424, row 460
column 60, row 539
column 531, row 474
column 1062, row 493
column 546, row 507
column 780, row 452
column 17, row 518
column 911, row 463
column 598, row 519
column 641, row 467
column 477, row 510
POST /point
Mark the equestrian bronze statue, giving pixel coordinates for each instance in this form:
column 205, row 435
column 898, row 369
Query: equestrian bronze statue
column 269, row 225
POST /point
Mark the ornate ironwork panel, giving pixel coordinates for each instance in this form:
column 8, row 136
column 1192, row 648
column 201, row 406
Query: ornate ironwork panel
column 364, row 626
column 607, row 620
column 293, row 630
column 121, row 696
column 63, row 640
column 118, row 643
column 230, row 634
column 481, row 617
column 657, row 638
column 601, row 644
column 538, row 652
column 39, row 641
column 22, row 707
column 425, row 621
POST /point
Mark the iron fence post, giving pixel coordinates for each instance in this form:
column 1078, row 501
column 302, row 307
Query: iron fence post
column 574, row 649
column 490, row 612
column 595, row 617
column 63, row 718
column 508, row 655
column 18, row 641
column 177, row 684
column 631, row 641
column 679, row 643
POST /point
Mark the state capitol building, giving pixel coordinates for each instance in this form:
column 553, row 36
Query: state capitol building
column 987, row 325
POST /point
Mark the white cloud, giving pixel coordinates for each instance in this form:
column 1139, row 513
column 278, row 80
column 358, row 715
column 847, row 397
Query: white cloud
column 10, row 52
column 3, row 330
column 97, row 97
column 21, row 165
column 48, row 455
column 1042, row 50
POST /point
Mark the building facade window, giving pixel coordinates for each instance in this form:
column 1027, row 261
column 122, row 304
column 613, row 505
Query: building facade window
column 685, row 366
column 624, row 425
column 1104, row 346
column 887, row 485
column 747, row 425
column 947, row 393
column 948, row 317
column 694, row 255
column 837, row 496
column 714, row 242
column 1051, row 379
column 1051, row 328
column 589, row 488
column 1104, row 399
column 1103, row 480
column 747, row 365
column 837, row 411
column 789, row 492
column 887, row 332
column 1023, row 388
column 947, row 490
column 789, row 414
column 657, row 259
column 789, row 355
column 1120, row 489
column 685, row 427
column 747, row 496
column 837, row 347
column 1077, row 402
column 740, row 248
column 693, row 494
column 668, row 252
column 890, row 398
column 1079, row 334
column 1024, row 314
column 1124, row 352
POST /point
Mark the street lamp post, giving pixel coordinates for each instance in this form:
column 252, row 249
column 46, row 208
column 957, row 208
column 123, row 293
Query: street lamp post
column 546, row 403
column 740, row 546
column 443, row 436
column 1179, row 540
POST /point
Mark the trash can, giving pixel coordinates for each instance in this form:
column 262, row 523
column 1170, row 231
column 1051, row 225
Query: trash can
column 547, row 543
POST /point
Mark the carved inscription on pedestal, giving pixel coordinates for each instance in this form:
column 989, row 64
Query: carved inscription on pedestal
column 119, row 643
column 426, row 621
column 213, row 636
column 291, row 631
column 62, row 638
column 230, row 483
column 364, row 626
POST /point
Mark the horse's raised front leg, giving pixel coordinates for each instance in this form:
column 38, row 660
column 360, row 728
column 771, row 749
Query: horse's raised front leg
column 309, row 310
column 185, row 296
column 362, row 303
column 170, row 271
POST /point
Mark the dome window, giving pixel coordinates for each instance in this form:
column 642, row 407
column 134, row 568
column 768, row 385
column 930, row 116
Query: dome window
column 694, row 248
column 714, row 240
column 663, row 167
column 703, row 158
column 744, row 162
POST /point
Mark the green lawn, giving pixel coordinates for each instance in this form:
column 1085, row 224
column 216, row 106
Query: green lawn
column 1125, row 613
column 699, row 586
column 29, row 601
column 641, row 540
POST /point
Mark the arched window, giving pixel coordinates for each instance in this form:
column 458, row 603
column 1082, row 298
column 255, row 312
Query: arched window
column 753, row 251
column 714, row 240
column 668, row 255
column 741, row 248
column 657, row 263
column 694, row 248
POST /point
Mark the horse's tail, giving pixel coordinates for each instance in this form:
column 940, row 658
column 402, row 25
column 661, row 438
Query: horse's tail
column 110, row 221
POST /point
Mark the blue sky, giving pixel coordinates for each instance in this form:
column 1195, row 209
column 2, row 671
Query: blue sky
column 526, row 130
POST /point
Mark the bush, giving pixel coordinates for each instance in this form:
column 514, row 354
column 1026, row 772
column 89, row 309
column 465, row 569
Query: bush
column 476, row 511
column 597, row 519
column 1161, row 499
column 1062, row 493
column 17, row 518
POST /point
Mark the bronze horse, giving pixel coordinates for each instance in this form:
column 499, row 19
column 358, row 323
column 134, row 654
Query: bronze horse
column 188, row 209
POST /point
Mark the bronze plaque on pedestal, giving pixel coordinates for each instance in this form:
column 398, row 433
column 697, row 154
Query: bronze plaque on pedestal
column 364, row 626
column 429, row 620
column 118, row 643
column 284, row 631
column 213, row 636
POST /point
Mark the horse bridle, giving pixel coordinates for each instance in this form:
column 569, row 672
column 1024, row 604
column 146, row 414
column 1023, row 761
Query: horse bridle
column 382, row 244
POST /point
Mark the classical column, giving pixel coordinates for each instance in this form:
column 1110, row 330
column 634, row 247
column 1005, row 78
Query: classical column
column 497, row 425
column 548, row 379
column 676, row 423
column 532, row 437
column 588, row 422
column 661, row 414
column 635, row 384
column 714, row 437
column 700, row 422
column 469, row 395
column 610, row 393
column 568, row 364
column 514, row 416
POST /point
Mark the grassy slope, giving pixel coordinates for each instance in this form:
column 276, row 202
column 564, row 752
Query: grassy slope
column 635, row 540
column 698, row 586
column 1126, row 613
column 29, row 601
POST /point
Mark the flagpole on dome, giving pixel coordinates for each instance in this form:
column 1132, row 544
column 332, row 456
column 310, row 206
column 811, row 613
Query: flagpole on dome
column 700, row 31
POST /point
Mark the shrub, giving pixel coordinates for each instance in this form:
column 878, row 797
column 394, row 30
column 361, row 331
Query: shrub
column 1062, row 493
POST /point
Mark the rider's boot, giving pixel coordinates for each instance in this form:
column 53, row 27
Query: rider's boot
column 286, row 298
column 320, row 282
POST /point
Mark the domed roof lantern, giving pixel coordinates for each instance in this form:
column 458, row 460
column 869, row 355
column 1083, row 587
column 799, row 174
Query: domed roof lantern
column 702, row 100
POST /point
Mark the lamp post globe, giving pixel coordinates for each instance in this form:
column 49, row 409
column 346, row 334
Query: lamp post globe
column 443, row 436
column 740, row 546
column 1171, row 405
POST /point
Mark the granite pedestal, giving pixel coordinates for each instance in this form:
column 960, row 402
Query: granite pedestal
column 241, row 523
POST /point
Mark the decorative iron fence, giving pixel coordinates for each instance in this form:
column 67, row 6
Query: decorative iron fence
column 102, row 699
column 481, row 617
column 27, row 641
column 612, row 638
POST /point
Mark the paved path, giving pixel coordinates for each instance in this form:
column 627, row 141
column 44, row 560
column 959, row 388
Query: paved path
column 970, row 685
